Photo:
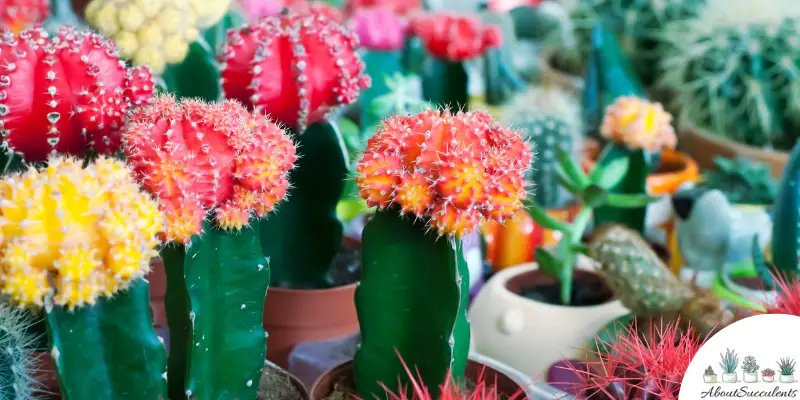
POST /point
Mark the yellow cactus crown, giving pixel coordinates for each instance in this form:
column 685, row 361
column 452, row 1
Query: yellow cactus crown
column 74, row 233
column 149, row 32
column 638, row 124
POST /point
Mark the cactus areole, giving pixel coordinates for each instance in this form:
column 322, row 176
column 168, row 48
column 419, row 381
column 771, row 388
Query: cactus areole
column 297, row 68
column 431, row 175
column 66, row 94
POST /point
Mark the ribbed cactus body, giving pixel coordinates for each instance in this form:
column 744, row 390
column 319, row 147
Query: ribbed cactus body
column 67, row 94
column 297, row 68
column 634, row 271
column 17, row 363
column 548, row 119
column 734, row 71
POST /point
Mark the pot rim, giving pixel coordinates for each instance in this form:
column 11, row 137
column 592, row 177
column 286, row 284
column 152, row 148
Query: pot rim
column 296, row 382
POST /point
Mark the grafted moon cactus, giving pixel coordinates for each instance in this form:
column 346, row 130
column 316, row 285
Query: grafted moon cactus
column 65, row 94
column 298, row 68
column 430, row 175
column 379, row 29
column 197, row 157
column 17, row 15
column 399, row 7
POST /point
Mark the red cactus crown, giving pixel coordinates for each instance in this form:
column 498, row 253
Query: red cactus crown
column 17, row 15
column 453, row 169
column 453, row 37
column 399, row 7
column 297, row 67
column 788, row 299
column 196, row 157
column 65, row 94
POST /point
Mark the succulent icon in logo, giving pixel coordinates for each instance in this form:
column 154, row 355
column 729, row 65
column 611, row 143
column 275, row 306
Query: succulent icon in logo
column 709, row 376
column 750, row 368
column 768, row 375
column 786, row 367
column 729, row 362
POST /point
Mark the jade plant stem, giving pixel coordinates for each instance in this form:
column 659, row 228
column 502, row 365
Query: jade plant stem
column 216, row 287
column 411, row 302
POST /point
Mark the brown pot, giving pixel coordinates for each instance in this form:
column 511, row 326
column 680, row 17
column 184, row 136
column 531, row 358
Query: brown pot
column 293, row 316
column 158, row 289
column 552, row 76
column 295, row 382
column 506, row 387
column 703, row 145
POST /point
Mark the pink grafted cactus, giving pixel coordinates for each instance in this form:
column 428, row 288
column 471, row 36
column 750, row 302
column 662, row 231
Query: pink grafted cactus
column 257, row 9
column 65, row 94
column 379, row 28
column 197, row 157
column 454, row 37
column 399, row 7
column 297, row 67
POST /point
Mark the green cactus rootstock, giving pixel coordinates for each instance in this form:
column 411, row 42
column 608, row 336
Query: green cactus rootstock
column 302, row 236
column 197, row 76
column 216, row 287
column 379, row 64
column 445, row 83
column 410, row 279
column 786, row 217
column 641, row 163
column 109, row 351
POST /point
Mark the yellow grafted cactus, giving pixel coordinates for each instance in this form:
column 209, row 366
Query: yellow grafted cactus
column 150, row 32
column 75, row 232
column 209, row 12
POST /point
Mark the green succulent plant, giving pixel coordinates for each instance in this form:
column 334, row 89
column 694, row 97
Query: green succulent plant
column 743, row 181
column 786, row 366
column 709, row 371
column 729, row 361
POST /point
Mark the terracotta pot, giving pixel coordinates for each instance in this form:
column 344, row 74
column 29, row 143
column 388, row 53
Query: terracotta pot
column 343, row 373
column 293, row 379
column 158, row 290
column 552, row 76
column 515, row 241
column 703, row 145
column 293, row 316
column 510, row 328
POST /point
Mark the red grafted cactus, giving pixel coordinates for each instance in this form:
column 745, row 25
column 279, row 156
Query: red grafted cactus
column 399, row 7
column 197, row 157
column 298, row 68
column 455, row 170
column 17, row 15
column 379, row 28
column 453, row 37
column 65, row 94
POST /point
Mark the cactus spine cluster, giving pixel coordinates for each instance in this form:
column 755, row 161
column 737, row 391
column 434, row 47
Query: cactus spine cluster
column 83, row 93
column 733, row 70
column 449, row 41
column 548, row 118
column 198, row 158
column 431, row 175
column 310, row 56
column 17, row 362
column 16, row 15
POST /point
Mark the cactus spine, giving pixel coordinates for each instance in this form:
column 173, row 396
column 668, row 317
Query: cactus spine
column 733, row 71
column 434, row 177
column 199, row 158
column 17, row 363
column 547, row 118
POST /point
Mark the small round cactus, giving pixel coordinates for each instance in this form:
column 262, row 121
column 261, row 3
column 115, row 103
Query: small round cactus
column 298, row 68
column 18, row 365
column 455, row 170
column 197, row 157
column 455, row 38
column 17, row 15
column 638, row 124
column 74, row 232
column 379, row 29
column 65, row 94
column 149, row 33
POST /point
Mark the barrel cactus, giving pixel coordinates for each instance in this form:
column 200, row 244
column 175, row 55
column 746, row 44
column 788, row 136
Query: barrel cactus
column 199, row 158
column 434, row 177
column 86, row 92
column 18, row 365
column 17, row 15
column 548, row 118
column 734, row 71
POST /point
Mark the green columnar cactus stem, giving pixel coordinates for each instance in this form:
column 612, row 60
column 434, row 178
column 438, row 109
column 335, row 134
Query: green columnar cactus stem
column 786, row 225
column 635, row 181
column 308, row 220
column 109, row 350
column 410, row 278
column 17, row 363
column 445, row 83
column 380, row 63
column 226, row 277
column 197, row 76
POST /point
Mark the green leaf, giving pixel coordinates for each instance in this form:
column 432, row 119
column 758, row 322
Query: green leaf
column 544, row 219
column 580, row 248
column 610, row 174
column 630, row 200
column 565, row 181
column 571, row 168
column 595, row 196
column 548, row 263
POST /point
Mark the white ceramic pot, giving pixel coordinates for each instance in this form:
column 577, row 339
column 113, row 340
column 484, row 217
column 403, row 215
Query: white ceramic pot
column 529, row 335
column 730, row 378
column 786, row 378
column 750, row 377
column 768, row 379
column 710, row 378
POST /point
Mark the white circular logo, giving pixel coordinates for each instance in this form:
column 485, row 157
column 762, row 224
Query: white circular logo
column 757, row 357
